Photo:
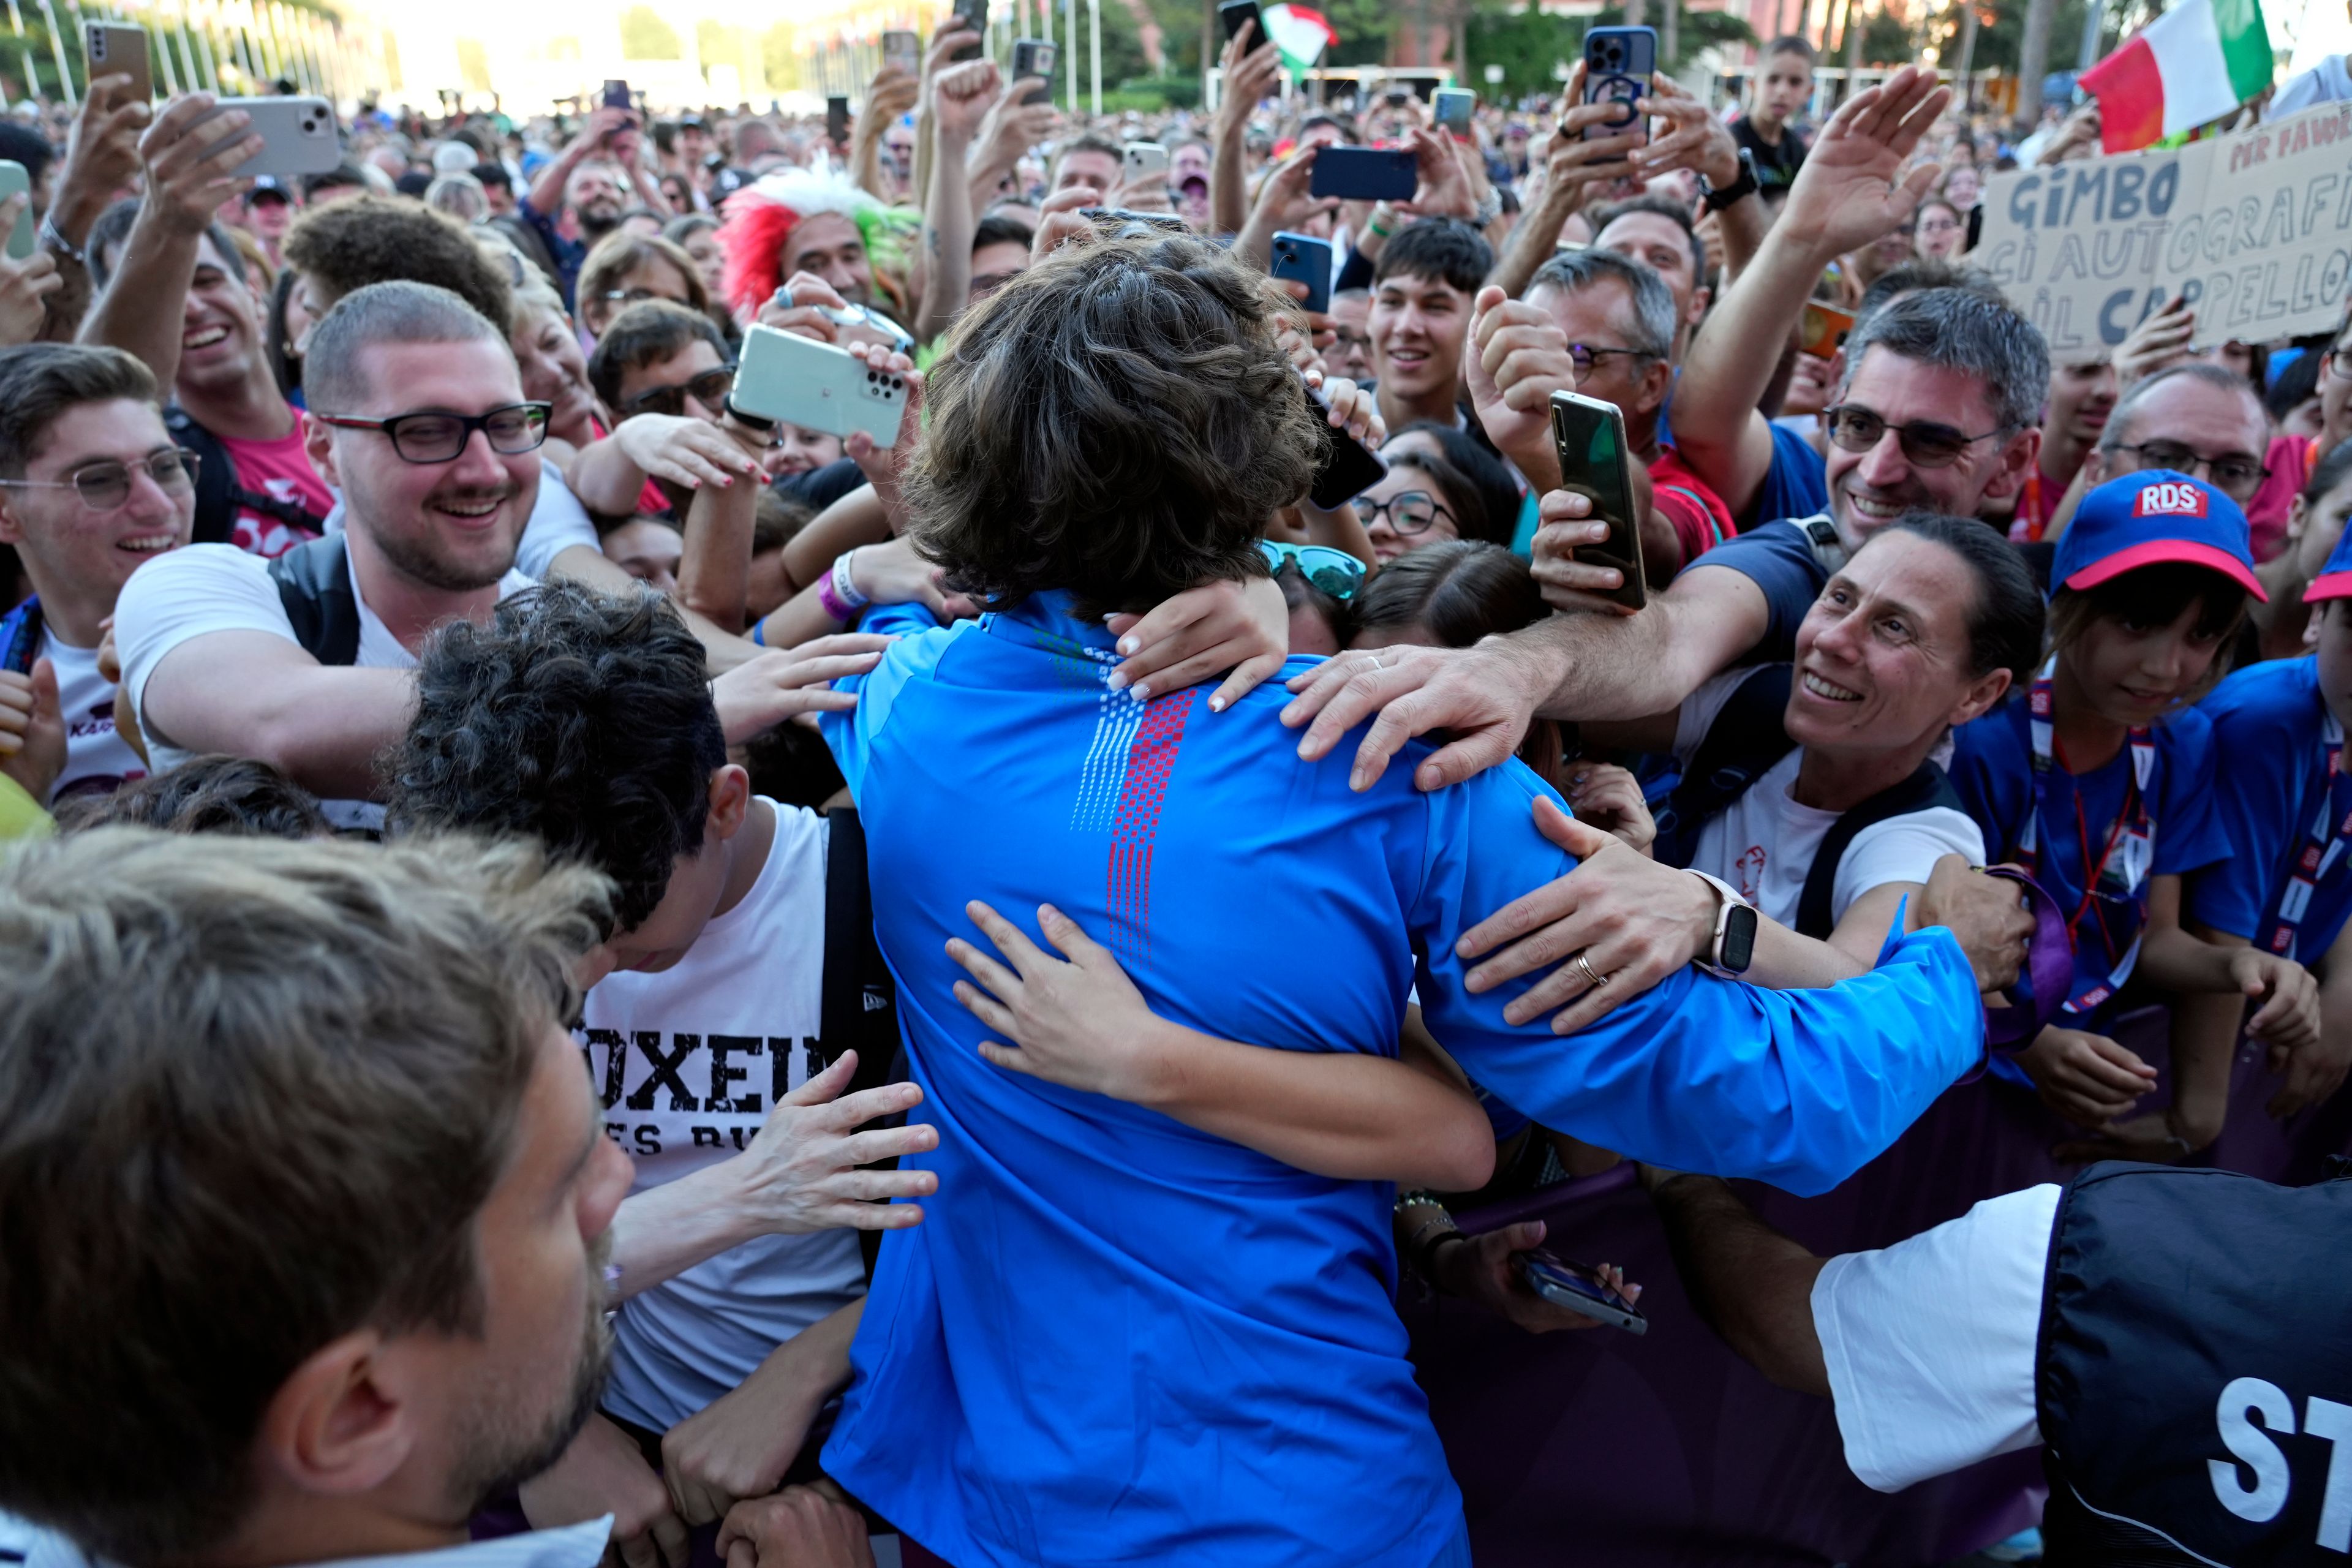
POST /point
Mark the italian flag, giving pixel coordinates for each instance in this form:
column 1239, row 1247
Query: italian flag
column 2197, row 62
column 1300, row 35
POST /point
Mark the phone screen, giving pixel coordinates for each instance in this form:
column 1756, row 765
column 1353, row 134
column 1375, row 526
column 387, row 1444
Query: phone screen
column 837, row 120
column 1595, row 464
column 1452, row 107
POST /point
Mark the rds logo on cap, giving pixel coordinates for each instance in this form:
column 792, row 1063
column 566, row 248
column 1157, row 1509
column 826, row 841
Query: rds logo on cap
column 2169, row 498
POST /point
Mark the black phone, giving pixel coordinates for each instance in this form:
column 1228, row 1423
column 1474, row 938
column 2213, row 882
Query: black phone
column 1239, row 14
column 1595, row 463
column 1580, row 1289
column 1619, row 63
column 617, row 95
column 836, row 120
column 1349, row 468
column 973, row 14
column 1303, row 258
column 1035, row 57
column 1364, row 173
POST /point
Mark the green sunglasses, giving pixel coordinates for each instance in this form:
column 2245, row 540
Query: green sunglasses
column 1335, row 572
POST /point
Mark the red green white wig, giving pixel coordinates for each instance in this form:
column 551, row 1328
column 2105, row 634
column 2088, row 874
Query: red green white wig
column 760, row 218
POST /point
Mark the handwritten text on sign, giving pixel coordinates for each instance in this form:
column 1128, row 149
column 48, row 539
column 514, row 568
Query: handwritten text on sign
column 2254, row 230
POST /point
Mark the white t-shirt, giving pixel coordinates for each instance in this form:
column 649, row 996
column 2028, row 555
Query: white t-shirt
column 1764, row 842
column 1930, row 1342
column 557, row 522
column 687, row 1063
column 98, row 761
column 199, row 589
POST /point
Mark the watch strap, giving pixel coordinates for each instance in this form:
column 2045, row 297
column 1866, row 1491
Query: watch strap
column 1727, row 898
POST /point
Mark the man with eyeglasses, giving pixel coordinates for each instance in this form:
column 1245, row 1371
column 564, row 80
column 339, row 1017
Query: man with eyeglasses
column 417, row 415
column 2194, row 417
column 91, row 488
column 1620, row 320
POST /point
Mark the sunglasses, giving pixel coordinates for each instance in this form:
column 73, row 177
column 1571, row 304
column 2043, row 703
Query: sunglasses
column 440, row 437
column 1926, row 443
column 709, row 389
column 1335, row 572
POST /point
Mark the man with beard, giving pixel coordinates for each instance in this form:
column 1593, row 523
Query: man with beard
column 417, row 415
column 578, row 197
column 372, row 1291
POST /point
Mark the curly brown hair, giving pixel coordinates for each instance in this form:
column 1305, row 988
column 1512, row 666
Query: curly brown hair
column 345, row 246
column 1119, row 422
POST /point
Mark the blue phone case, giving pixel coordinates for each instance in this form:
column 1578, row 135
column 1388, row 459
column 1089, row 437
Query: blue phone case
column 1619, row 63
column 1303, row 258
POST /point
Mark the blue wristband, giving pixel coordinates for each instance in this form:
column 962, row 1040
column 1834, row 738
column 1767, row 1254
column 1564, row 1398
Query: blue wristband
column 760, row 632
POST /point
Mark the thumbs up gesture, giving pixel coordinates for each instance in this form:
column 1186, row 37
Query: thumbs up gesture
column 32, row 728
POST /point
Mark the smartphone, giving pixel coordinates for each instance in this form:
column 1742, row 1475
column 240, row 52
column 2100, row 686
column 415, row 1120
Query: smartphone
column 1141, row 160
column 1302, row 258
column 110, row 50
column 1364, row 173
column 298, row 136
column 1239, row 14
column 617, row 95
column 783, row 375
column 836, row 120
column 1580, row 1289
column 1035, row 57
column 1595, row 464
column 1453, row 105
column 1619, row 63
column 1824, row 329
column 14, row 180
column 901, row 49
column 1349, row 468
column 973, row 14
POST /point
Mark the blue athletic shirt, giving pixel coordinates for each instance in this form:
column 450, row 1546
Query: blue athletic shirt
column 1992, row 769
column 1797, row 484
column 2267, row 782
column 1116, row 1339
column 1778, row 557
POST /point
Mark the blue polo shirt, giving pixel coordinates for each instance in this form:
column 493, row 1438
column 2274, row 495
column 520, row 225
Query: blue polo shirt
column 1778, row 557
column 1992, row 769
column 1115, row 1339
column 2267, row 779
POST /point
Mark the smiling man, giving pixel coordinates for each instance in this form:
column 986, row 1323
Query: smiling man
column 91, row 488
column 417, row 415
column 1421, row 317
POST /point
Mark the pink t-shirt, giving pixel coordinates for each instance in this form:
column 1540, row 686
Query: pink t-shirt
column 281, row 470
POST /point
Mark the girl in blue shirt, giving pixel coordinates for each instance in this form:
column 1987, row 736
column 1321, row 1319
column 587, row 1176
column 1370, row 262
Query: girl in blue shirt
column 2099, row 780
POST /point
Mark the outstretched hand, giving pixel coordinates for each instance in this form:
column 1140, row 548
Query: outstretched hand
column 1853, row 189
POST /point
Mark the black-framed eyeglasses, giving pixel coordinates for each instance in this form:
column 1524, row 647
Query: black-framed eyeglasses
column 2233, row 473
column 1925, row 443
column 1587, row 355
column 436, row 437
column 104, row 487
column 1411, row 512
column 709, row 389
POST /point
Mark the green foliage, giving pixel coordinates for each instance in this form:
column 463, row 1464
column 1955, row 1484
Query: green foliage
column 779, row 61
column 1364, row 27
column 1886, row 41
column 474, row 65
column 645, row 37
column 717, row 44
column 1148, row 94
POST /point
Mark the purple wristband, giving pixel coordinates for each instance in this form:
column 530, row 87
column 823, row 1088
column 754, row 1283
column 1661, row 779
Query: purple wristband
column 833, row 603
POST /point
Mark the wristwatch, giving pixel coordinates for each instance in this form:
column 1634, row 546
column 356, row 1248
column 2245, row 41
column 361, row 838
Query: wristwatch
column 1734, row 931
column 1746, row 185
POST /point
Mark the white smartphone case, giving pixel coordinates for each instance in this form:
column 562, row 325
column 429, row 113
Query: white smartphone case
column 783, row 375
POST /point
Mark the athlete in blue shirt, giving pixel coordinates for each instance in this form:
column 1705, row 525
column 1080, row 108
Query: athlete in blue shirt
column 2099, row 780
column 2285, row 796
column 1121, row 1339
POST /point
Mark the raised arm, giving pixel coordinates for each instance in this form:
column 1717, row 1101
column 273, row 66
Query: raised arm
column 255, row 694
column 960, row 96
column 1082, row 1023
column 187, row 158
column 890, row 94
column 1852, row 190
column 546, row 194
column 1572, row 167
column 715, row 566
column 101, row 157
column 1252, row 65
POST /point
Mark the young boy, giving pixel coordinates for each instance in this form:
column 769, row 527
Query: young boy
column 1783, row 85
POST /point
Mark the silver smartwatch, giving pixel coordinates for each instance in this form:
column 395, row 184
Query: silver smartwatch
column 1735, row 931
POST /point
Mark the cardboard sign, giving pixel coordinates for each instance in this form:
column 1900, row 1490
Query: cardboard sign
column 2254, row 230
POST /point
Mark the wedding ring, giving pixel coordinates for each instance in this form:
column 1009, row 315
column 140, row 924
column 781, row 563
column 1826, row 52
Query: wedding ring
column 1584, row 967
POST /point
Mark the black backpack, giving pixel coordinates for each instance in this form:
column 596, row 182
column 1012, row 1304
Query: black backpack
column 219, row 495
column 1740, row 747
column 860, row 1002
column 314, row 583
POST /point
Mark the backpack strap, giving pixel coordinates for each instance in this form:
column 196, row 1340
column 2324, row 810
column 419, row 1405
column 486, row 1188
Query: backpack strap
column 859, row 1004
column 1829, row 552
column 1740, row 747
column 220, row 495
column 1925, row 788
column 20, row 636
column 314, row 583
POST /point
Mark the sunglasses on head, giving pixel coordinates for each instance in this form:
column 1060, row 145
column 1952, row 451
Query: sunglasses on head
column 1335, row 572
column 1925, row 443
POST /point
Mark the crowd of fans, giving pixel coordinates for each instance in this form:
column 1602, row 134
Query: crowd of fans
column 1054, row 846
